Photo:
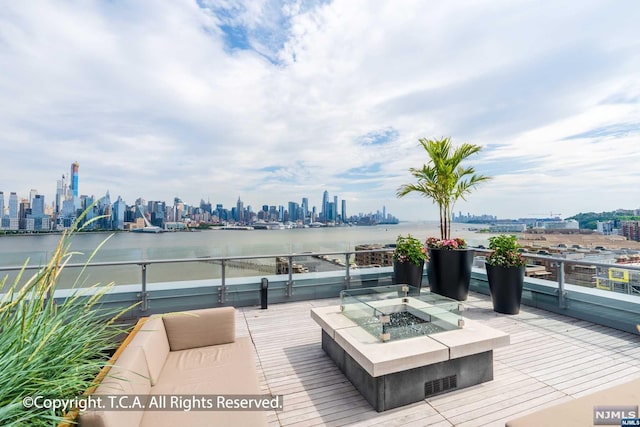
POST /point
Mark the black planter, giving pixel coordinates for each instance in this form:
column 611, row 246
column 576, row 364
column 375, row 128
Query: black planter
column 449, row 272
column 407, row 273
column 505, row 285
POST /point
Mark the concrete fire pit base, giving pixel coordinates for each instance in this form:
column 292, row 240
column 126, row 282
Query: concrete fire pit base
column 397, row 373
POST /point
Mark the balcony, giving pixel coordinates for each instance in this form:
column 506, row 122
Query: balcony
column 567, row 341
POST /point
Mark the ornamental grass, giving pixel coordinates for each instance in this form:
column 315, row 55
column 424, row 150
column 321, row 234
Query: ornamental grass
column 52, row 348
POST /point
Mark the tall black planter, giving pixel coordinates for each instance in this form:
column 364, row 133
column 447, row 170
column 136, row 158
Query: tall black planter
column 449, row 272
column 408, row 273
column 505, row 285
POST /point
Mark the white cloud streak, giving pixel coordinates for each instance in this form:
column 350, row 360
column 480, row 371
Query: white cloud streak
column 154, row 102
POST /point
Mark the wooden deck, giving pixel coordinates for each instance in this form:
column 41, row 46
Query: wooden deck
column 551, row 359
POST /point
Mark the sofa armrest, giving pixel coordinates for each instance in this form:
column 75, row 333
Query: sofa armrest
column 200, row 328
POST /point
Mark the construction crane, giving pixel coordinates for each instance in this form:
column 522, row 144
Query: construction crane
column 551, row 214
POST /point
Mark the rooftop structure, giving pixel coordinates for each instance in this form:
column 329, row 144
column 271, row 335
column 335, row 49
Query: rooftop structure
column 551, row 359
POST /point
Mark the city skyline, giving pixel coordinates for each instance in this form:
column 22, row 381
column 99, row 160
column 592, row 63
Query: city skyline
column 212, row 99
column 33, row 214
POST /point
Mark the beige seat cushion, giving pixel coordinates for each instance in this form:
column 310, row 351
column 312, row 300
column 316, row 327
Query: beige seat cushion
column 221, row 369
column 200, row 328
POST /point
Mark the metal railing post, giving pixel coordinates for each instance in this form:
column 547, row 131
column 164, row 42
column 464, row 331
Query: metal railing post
column 144, row 295
column 347, row 255
column 561, row 291
column 222, row 293
column 289, row 289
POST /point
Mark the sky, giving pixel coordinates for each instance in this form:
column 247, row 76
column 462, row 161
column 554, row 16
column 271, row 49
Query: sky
column 272, row 101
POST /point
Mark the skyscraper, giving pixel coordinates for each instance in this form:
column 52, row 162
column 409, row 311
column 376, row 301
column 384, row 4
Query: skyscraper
column 344, row 210
column 37, row 205
column 13, row 211
column 60, row 196
column 239, row 211
column 13, row 205
column 325, row 206
column 305, row 208
column 293, row 211
column 118, row 214
column 74, row 179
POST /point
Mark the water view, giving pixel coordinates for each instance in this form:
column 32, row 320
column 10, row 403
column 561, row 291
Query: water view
column 15, row 250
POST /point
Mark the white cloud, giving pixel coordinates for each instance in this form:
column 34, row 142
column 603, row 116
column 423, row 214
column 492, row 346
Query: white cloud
column 154, row 100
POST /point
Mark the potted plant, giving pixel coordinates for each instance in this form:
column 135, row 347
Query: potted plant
column 505, row 272
column 409, row 256
column 444, row 180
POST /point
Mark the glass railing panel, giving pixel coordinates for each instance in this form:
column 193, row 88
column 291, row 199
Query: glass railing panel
column 616, row 278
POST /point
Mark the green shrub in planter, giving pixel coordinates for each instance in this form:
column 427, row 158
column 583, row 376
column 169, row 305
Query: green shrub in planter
column 505, row 251
column 505, row 272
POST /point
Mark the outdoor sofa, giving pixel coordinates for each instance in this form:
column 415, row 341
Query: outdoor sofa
column 181, row 354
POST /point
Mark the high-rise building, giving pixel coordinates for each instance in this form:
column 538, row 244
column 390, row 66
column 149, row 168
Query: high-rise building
column 24, row 209
column 118, row 214
column 305, row 208
column 37, row 220
column 239, row 211
column 14, row 221
column 344, row 210
column 631, row 230
column 74, row 179
column 157, row 213
column 1, row 204
column 325, row 206
column 37, row 205
column 60, row 195
column 293, row 211
column 13, row 205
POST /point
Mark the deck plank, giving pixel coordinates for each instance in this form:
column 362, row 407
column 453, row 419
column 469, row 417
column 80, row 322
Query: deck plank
column 551, row 359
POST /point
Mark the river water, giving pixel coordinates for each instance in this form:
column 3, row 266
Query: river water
column 15, row 250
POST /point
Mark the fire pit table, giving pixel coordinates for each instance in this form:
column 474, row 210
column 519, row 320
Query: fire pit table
column 399, row 345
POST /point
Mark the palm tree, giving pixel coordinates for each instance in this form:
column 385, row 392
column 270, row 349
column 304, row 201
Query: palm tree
column 443, row 179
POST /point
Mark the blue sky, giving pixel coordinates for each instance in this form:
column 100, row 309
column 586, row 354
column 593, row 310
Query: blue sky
column 278, row 100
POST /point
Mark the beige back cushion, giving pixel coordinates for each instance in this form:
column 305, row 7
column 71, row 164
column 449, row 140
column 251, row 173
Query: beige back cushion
column 152, row 337
column 200, row 328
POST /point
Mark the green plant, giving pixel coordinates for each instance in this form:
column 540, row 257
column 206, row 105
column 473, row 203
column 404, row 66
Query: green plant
column 505, row 251
column 409, row 249
column 51, row 348
column 443, row 179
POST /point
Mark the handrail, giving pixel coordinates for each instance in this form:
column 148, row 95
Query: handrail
column 559, row 263
column 301, row 254
column 198, row 259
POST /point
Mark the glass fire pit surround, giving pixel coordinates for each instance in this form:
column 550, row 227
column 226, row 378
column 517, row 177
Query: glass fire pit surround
column 397, row 312
column 398, row 345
